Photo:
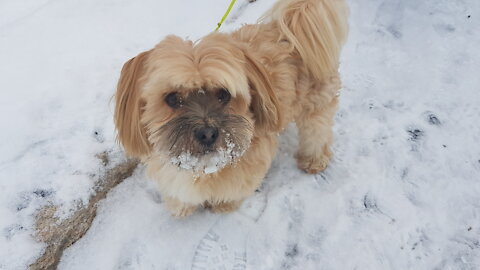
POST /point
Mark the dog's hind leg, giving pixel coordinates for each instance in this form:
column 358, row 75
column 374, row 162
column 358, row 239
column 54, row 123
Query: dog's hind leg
column 314, row 124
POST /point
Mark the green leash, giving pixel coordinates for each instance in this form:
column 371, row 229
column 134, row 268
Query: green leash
column 225, row 15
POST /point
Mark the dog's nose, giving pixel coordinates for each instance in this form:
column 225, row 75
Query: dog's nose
column 206, row 135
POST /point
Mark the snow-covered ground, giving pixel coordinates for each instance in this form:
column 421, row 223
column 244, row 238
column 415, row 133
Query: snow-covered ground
column 403, row 190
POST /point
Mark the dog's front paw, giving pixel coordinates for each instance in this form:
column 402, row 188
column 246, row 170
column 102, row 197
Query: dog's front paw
column 179, row 209
column 314, row 164
column 224, row 207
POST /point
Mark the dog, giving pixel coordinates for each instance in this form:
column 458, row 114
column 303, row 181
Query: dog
column 204, row 116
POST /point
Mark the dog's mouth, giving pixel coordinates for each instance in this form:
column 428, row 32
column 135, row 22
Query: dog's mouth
column 187, row 153
column 209, row 160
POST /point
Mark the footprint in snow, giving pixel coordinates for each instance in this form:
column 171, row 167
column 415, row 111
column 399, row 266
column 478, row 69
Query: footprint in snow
column 224, row 245
column 432, row 119
column 216, row 252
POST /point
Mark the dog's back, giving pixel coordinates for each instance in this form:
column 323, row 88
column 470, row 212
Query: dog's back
column 316, row 28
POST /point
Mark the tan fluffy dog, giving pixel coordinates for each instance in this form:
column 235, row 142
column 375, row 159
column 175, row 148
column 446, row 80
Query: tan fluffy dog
column 204, row 117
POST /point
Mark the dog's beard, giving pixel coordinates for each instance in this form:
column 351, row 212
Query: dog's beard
column 176, row 140
column 210, row 161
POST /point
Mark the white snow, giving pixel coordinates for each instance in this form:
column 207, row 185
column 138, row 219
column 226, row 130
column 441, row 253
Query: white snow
column 402, row 192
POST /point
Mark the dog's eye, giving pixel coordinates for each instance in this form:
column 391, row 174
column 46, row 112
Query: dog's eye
column 223, row 96
column 173, row 100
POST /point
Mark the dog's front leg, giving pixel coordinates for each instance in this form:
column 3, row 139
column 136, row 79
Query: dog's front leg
column 178, row 208
column 223, row 207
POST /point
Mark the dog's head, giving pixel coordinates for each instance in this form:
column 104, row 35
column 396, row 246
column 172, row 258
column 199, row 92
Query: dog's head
column 199, row 105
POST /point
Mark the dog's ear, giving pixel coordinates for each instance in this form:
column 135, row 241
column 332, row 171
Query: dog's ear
column 128, row 108
column 264, row 104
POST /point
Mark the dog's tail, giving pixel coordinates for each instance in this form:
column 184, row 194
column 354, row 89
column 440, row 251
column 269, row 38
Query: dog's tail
column 317, row 29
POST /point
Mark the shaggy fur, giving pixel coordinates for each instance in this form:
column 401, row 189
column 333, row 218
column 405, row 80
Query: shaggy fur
column 281, row 70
